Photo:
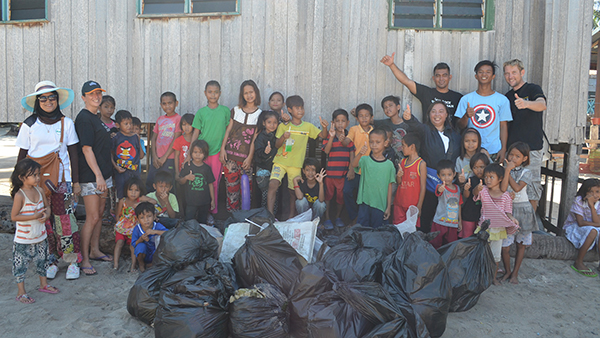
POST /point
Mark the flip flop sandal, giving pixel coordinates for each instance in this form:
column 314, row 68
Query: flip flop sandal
column 102, row 259
column 91, row 269
column 49, row 289
column 25, row 299
column 586, row 273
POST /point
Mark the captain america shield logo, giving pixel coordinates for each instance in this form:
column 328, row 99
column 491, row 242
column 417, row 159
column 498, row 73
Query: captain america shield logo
column 484, row 116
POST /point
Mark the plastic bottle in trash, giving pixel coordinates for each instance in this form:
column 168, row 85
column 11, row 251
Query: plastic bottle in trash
column 288, row 144
column 245, row 191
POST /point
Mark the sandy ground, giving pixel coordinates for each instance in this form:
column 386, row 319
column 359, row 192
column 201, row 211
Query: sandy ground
column 551, row 301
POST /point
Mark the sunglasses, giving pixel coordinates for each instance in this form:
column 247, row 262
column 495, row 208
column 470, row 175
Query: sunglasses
column 52, row 98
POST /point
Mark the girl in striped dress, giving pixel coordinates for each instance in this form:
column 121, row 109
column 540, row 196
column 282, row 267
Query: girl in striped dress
column 30, row 214
column 497, row 207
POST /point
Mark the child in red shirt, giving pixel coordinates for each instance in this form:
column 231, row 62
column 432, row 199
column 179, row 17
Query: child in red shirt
column 181, row 146
column 411, row 179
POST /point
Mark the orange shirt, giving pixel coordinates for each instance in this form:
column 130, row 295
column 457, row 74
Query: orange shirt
column 360, row 138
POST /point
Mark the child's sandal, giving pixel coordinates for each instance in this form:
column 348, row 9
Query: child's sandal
column 25, row 299
column 49, row 289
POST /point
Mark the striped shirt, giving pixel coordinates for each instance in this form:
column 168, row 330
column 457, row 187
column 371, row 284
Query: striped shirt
column 495, row 210
column 338, row 159
column 33, row 231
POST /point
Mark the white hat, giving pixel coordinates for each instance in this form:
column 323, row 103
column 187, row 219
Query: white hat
column 65, row 95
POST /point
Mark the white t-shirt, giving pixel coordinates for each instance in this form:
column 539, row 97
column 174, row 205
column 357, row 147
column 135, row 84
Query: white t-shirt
column 445, row 140
column 41, row 139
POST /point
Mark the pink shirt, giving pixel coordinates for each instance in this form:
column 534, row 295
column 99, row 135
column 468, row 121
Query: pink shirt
column 495, row 210
column 165, row 129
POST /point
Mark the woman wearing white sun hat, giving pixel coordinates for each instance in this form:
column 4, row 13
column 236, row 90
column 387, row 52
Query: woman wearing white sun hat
column 49, row 138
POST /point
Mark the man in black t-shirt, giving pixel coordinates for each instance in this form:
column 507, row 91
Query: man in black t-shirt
column 427, row 95
column 527, row 104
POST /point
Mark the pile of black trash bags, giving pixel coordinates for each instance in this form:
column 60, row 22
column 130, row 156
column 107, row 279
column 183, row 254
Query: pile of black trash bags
column 371, row 283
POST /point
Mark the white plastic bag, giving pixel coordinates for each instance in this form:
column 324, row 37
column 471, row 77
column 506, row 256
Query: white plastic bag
column 410, row 225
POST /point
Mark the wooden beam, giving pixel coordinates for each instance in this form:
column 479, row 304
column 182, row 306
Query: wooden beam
column 569, row 183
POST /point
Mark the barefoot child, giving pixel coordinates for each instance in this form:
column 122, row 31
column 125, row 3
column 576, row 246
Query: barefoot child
column 516, row 179
column 30, row 214
column 144, row 236
column 583, row 223
column 127, row 219
column 497, row 207
column 447, row 219
column 411, row 179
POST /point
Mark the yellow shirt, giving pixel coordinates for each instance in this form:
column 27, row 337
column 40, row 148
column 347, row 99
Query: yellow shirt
column 360, row 139
column 293, row 150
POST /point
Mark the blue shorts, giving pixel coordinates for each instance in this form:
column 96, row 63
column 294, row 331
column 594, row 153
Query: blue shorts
column 144, row 248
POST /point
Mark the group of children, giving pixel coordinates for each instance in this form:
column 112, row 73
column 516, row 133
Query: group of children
column 374, row 173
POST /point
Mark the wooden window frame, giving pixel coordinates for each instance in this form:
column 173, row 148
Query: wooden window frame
column 4, row 19
column 488, row 18
column 187, row 7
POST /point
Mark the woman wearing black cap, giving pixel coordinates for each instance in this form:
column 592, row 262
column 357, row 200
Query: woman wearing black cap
column 95, row 169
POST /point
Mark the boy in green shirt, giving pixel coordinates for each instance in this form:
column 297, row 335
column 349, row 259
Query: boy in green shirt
column 375, row 188
column 291, row 142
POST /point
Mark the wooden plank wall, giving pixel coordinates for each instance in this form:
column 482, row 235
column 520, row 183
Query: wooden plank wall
column 327, row 51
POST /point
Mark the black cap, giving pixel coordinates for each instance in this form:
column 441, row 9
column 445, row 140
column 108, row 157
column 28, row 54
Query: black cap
column 90, row 86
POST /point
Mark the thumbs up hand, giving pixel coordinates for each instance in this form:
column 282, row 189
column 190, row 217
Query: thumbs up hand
column 461, row 177
column 268, row 147
column 324, row 123
column 520, row 103
column 388, row 60
column 406, row 115
column 470, row 110
column 190, row 176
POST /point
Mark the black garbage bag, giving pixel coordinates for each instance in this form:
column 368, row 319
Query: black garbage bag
column 194, row 307
column 350, row 310
column 267, row 257
column 259, row 312
column 408, row 325
column 195, row 270
column 471, row 266
column 416, row 271
column 313, row 281
column 184, row 245
column 143, row 295
column 258, row 216
column 386, row 239
column 351, row 261
column 224, row 271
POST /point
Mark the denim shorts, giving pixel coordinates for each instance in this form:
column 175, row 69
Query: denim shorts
column 90, row 187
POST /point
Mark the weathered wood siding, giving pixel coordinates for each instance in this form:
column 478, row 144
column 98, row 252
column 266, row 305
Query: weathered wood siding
column 327, row 51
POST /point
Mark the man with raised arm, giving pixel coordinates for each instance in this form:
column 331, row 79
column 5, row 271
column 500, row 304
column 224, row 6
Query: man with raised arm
column 427, row 95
